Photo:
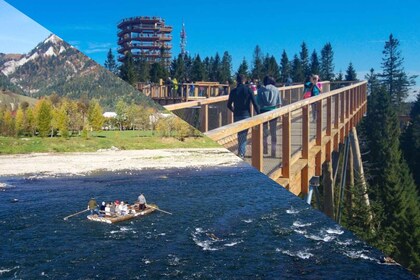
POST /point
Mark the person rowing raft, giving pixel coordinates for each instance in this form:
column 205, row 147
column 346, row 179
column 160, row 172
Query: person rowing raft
column 142, row 202
column 93, row 206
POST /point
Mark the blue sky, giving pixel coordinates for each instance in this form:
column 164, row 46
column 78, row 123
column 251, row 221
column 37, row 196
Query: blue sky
column 357, row 30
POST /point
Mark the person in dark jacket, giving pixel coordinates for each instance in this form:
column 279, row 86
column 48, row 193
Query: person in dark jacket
column 93, row 206
column 239, row 102
column 269, row 99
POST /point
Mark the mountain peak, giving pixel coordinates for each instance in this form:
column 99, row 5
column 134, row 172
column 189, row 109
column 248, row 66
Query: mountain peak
column 53, row 39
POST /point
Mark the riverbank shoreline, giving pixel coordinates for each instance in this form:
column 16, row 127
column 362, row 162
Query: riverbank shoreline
column 67, row 164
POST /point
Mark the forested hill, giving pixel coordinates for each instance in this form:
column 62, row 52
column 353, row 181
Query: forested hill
column 54, row 66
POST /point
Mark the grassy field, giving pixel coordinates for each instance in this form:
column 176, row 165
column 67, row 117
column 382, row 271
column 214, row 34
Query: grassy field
column 123, row 140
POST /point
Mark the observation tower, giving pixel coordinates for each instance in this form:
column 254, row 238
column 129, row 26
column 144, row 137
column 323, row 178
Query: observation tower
column 146, row 38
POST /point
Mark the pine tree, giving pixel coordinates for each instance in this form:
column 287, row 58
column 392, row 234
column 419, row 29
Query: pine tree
column 411, row 142
column 271, row 68
column 297, row 70
column 315, row 67
column 304, row 60
column 339, row 77
column 197, row 69
column 285, row 68
column 128, row 70
column 351, row 73
column 393, row 185
column 142, row 67
column 226, row 68
column 243, row 68
column 257, row 64
column 393, row 76
column 157, row 72
column 327, row 65
column 110, row 63
column 215, row 68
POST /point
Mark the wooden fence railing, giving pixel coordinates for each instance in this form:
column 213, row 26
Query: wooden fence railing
column 184, row 91
column 303, row 144
column 210, row 113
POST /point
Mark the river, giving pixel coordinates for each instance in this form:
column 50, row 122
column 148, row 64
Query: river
column 227, row 223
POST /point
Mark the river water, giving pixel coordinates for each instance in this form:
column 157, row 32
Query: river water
column 227, row 223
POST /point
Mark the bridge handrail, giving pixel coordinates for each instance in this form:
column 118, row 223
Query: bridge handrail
column 231, row 129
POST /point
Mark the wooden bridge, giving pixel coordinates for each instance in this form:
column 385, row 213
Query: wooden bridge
column 303, row 144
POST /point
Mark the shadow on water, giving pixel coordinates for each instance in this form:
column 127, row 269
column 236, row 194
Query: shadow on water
column 227, row 223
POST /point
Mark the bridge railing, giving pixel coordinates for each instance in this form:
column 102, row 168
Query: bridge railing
column 298, row 145
column 185, row 91
column 211, row 113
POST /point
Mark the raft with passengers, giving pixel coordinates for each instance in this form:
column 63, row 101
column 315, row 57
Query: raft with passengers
column 114, row 212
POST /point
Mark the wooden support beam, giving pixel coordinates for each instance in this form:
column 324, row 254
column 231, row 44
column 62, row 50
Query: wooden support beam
column 286, row 145
column 204, row 117
column 257, row 147
column 327, row 183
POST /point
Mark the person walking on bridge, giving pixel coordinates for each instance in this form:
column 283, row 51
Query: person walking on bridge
column 269, row 99
column 239, row 103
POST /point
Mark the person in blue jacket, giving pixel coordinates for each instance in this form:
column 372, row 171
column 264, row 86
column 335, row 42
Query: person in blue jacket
column 239, row 102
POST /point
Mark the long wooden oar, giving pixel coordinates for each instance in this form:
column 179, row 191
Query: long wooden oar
column 80, row 212
column 148, row 205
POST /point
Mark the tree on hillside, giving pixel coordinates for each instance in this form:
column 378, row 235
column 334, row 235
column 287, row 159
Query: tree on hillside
column 304, row 60
column 285, row 68
column 393, row 186
column 243, row 68
column 393, row 76
column 110, row 63
column 351, row 73
column 257, row 64
column 327, row 64
column 315, row 66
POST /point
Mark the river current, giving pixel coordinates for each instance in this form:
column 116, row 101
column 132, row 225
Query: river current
column 227, row 223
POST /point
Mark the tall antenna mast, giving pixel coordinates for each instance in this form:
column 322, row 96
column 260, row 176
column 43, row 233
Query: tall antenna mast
column 183, row 43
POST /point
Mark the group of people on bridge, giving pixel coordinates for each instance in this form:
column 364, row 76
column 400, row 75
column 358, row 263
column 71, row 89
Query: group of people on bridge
column 267, row 98
column 116, row 208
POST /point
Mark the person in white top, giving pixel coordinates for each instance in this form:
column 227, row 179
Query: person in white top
column 142, row 202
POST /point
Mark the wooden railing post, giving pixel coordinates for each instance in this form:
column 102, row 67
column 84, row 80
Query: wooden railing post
column 329, row 117
column 287, row 145
column 305, row 132
column 319, row 122
column 305, row 149
column 257, row 147
column 204, row 117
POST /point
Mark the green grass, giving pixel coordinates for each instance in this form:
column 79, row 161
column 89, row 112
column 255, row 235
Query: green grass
column 123, row 140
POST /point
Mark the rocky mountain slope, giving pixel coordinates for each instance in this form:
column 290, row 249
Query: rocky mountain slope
column 54, row 66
